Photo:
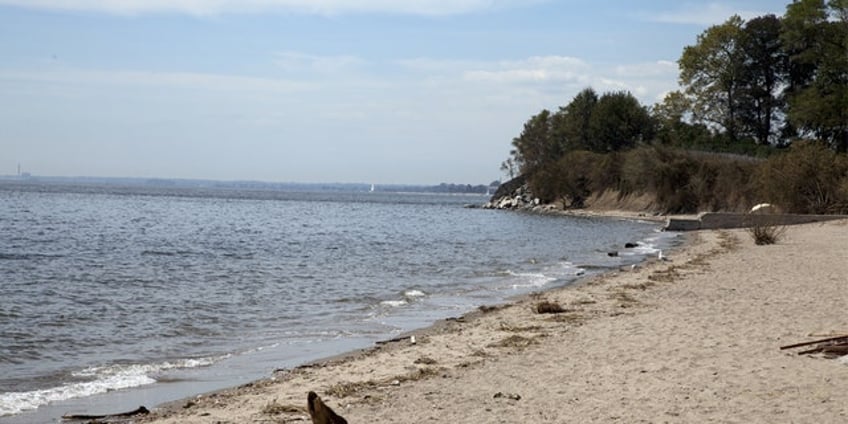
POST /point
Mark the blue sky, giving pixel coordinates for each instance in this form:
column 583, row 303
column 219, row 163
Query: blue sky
column 375, row 91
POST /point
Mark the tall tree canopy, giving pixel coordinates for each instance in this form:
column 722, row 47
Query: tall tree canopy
column 770, row 79
column 764, row 71
column 711, row 73
column 619, row 122
column 815, row 36
column 535, row 146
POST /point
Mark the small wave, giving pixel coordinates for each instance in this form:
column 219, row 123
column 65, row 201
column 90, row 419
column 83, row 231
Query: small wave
column 158, row 253
column 409, row 296
column 100, row 380
column 394, row 303
column 26, row 256
column 414, row 293
column 530, row 279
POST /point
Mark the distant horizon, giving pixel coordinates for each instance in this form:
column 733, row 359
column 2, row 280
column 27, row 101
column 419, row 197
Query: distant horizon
column 330, row 90
column 31, row 176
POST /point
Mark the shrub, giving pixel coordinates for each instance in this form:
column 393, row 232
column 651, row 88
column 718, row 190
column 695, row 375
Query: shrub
column 765, row 232
column 809, row 178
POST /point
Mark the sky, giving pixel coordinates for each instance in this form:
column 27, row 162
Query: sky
column 366, row 91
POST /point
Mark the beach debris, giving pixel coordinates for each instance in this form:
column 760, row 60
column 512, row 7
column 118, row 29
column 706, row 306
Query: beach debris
column 512, row 396
column 321, row 413
column 518, row 328
column 425, row 360
column 275, row 408
column 831, row 347
column 396, row 339
column 488, row 308
column 514, row 341
column 141, row 410
column 548, row 307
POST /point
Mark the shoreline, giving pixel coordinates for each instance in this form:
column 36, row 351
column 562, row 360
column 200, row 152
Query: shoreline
column 164, row 391
column 174, row 411
column 627, row 348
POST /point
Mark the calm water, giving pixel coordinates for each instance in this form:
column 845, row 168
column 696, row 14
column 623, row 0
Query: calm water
column 106, row 289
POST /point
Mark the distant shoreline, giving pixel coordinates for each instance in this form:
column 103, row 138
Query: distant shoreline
column 479, row 189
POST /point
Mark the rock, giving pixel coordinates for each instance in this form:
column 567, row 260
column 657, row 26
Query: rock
column 612, row 254
column 630, row 245
column 513, row 396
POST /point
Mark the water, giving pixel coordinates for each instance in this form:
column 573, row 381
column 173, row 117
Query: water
column 162, row 293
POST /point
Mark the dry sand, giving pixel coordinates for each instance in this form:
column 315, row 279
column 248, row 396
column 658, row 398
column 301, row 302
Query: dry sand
column 694, row 339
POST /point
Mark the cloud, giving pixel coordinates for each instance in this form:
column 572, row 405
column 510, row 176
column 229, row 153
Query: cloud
column 300, row 62
column 702, row 14
column 188, row 80
column 540, row 69
column 321, row 7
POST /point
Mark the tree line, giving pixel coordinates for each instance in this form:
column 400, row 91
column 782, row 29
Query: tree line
column 749, row 87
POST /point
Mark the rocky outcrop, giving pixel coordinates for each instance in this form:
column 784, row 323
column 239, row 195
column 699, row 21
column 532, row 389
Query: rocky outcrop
column 516, row 195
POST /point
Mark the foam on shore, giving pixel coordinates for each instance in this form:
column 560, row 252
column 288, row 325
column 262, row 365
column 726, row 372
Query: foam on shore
column 94, row 381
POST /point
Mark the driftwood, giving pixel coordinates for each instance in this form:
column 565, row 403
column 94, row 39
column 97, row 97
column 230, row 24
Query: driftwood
column 829, row 339
column 320, row 413
column 139, row 411
column 831, row 347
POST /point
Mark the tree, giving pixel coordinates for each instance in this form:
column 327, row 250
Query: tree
column 571, row 124
column 815, row 38
column 764, row 70
column 509, row 167
column 711, row 72
column 618, row 122
column 535, row 146
column 668, row 116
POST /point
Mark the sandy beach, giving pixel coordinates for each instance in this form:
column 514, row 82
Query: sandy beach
column 692, row 339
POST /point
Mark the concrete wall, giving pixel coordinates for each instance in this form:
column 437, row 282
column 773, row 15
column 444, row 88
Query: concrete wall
column 716, row 220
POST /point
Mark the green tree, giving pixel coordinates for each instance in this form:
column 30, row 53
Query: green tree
column 711, row 73
column 764, row 73
column 668, row 117
column 815, row 37
column 535, row 147
column 571, row 124
column 619, row 122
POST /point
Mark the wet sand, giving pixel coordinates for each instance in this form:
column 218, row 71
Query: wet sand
column 693, row 339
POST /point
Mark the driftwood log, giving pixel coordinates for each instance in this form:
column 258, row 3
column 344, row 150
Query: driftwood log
column 139, row 411
column 320, row 412
column 831, row 347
